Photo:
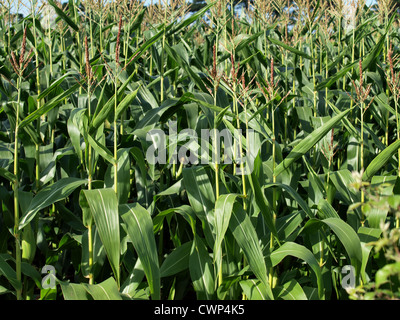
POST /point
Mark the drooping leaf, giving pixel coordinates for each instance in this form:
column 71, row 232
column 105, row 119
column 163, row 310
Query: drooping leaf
column 49, row 195
column 106, row 290
column 222, row 215
column 64, row 16
column 247, row 238
column 48, row 106
column 139, row 227
column 177, row 260
column 201, row 270
column 103, row 205
column 347, row 236
column 9, row 273
column 202, row 199
column 300, row 252
column 380, row 160
column 307, row 143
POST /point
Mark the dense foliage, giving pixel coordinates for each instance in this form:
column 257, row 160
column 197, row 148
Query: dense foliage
column 85, row 214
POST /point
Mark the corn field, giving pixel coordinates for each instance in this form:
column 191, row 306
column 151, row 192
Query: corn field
column 103, row 109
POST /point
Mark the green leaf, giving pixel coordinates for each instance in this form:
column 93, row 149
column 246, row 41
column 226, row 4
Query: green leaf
column 134, row 279
column 191, row 19
column 287, row 224
column 326, row 210
column 260, row 197
column 342, row 180
column 106, row 290
column 188, row 96
column 126, row 102
column 201, row 197
column 101, row 149
column 201, row 270
column 290, row 290
column 177, row 260
column 48, row 106
column 172, row 52
column 53, row 86
column 138, row 53
column 103, row 205
column 139, row 227
column 222, row 215
column 98, row 251
column 384, row 274
column 300, row 252
column 380, row 160
column 347, row 236
column 73, row 291
column 247, row 239
column 289, row 48
column 9, row 273
column 308, row 142
column 63, row 16
column 366, row 62
column 123, row 174
column 7, row 174
column 294, row 195
column 367, row 236
column 254, row 289
column 103, row 111
column 49, row 195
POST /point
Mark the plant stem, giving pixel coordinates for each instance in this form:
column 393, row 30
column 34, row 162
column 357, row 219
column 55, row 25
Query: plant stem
column 274, row 195
column 163, row 56
column 90, row 249
column 115, row 135
column 17, row 233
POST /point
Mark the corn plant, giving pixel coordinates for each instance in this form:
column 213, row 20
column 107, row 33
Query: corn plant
column 237, row 152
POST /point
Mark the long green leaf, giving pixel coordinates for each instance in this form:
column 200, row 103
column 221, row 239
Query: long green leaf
column 380, row 160
column 192, row 18
column 289, row 48
column 290, row 290
column 300, row 252
column 202, row 199
column 177, row 260
column 7, row 174
column 347, row 236
column 49, row 195
column 73, row 291
column 139, row 227
column 222, row 215
column 106, row 290
column 125, row 103
column 103, row 111
column 294, row 195
column 103, row 206
column 246, row 236
column 53, row 86
column 48, row 106
column 101, row 149
column 367, row 236
column 260, row 199
column 63, row 16
column 9, row 273
column 305, row 145
column 201, row 270
column 254, row 289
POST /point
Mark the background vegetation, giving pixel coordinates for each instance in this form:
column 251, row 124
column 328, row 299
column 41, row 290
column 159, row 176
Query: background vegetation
column 82, row 83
